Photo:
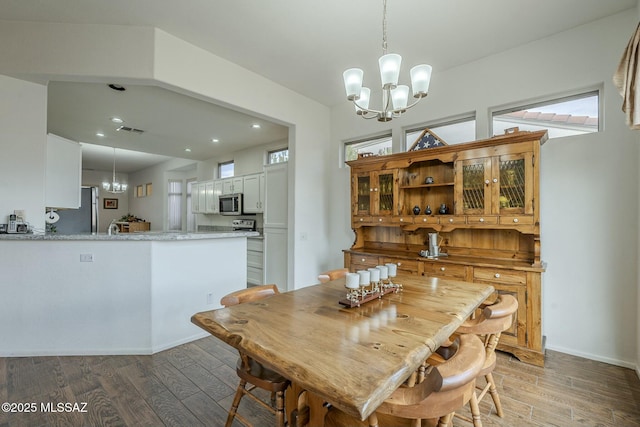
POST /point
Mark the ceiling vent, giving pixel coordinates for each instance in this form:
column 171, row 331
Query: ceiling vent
column 130, row 129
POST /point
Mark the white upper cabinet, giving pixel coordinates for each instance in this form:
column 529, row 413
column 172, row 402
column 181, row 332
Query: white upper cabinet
column 232, row 185
column 254, row 193
column 63, row 173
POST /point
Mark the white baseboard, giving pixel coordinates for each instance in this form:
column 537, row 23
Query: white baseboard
column 77, row 352
column 166, row 346
column 110, row 351
column 597, row 357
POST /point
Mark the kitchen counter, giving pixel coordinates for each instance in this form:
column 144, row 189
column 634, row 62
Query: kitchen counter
column 130, row 293
column 139, row 236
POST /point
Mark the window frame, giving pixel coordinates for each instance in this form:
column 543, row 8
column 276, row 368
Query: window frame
column 371, row 139
column 279, row 150
column 556, row 98
column 222, row 164
column 433, row 125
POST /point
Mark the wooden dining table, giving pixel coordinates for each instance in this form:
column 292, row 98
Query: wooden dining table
column 351, row 358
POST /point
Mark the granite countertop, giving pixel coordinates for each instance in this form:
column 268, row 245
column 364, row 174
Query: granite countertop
column 139, row 236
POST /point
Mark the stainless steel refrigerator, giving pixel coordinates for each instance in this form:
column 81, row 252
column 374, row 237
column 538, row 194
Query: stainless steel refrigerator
column 83, row 220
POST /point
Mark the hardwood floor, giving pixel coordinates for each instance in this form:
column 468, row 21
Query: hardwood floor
column 193, row 385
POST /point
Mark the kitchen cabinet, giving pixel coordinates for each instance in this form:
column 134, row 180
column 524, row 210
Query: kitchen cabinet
column 253, row 193
column 232, row 185
column 276, row 201
column 490, row 230
column 255, row 261
column 63, row 173
column 202, row 197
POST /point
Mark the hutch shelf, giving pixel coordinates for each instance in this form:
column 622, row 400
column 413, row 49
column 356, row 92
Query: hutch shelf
column 489, row 227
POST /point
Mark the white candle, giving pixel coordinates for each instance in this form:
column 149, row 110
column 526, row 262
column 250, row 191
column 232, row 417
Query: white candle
column 353, row 280
column 384, row 271
column 393, row 268
column 365, row 277
column 375, row 274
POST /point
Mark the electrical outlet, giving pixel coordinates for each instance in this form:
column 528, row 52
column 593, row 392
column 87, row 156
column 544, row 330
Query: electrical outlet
column 86, row 257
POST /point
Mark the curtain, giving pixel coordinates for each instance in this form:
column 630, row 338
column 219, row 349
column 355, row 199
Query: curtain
column 625, row 80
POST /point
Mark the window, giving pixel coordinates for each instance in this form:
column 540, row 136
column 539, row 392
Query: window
column 278, row 156
column 174, row 211
column 452, row 131
column 191, row 217
column 226, row 169
column 379, row 146
column 570, row 115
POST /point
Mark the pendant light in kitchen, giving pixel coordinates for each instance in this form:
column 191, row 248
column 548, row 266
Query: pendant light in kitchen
column 114, row 186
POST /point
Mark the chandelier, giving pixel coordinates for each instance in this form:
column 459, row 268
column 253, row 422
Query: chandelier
column 394, row 96
column 114, row 186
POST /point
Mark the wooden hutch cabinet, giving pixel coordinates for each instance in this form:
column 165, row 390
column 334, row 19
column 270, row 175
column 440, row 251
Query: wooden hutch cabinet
column 489, row 231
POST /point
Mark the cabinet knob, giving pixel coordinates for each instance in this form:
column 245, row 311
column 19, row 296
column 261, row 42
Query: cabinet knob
column 424, row 219
column 497, row 275
column 399, row 264
column 450, row 219
column 380, row 219
column 515, row 219
column 361, row 219
column 375, row 189
column 486, row 181
column 442, row 268
column 363, row 260
column 495, row 179
column 481, row 219
column 401, row 219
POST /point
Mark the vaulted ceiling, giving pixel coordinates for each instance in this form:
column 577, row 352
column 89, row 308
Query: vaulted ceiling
column 303, row 45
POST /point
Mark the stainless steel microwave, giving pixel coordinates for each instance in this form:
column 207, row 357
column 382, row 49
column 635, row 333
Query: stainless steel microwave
column 230, row 204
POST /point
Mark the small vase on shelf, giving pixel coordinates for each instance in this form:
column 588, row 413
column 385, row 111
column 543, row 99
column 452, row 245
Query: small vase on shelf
column 428, row 210
column 443, row 209
column 416, row 210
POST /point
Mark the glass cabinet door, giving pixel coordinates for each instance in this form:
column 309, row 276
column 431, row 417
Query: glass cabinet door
column 385, row 193
column 374, row 193
column 514, row 192
column 363, row 192
column 476, row 180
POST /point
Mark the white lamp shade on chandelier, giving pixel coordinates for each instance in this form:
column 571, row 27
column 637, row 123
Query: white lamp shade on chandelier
column 394, row 96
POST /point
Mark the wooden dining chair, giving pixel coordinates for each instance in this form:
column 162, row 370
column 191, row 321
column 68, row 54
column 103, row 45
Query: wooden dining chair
column 253, row 373
column 327, row 276
column 444, row 389
column 490, row 323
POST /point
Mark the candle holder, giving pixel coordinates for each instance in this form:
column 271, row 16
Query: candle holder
column 371, row 285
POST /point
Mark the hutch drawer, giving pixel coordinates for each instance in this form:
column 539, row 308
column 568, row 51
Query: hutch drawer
column 499, row 275
column 454, row 271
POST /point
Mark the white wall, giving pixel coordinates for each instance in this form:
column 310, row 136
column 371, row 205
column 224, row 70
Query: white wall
column 589, row 184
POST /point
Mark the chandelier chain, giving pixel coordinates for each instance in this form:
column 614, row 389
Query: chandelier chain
column 384, row 27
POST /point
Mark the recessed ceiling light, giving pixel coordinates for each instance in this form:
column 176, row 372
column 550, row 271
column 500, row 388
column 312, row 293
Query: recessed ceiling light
column 100, row 134
column 117, row 120
column 117, row 87
column 215, row 140
column 255, row 126
column 188, row 150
